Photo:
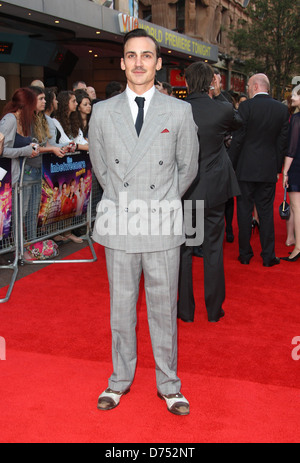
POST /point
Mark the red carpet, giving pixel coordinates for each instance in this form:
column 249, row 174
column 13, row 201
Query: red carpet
column 238, row 374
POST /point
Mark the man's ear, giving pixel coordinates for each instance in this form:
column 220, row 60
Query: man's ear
column 122, row 64
column 159, row 64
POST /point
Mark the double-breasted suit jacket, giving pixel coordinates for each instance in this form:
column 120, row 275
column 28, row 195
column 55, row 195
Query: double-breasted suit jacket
column 143, row 178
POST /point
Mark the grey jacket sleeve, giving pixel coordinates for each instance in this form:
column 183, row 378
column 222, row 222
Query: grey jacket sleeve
column 8, row 126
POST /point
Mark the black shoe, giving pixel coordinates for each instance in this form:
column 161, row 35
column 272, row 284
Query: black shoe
column 185, row 320
column 293, row 259
column 244, row 261
column 222, row 313
column 272, row 262
column 229, row 237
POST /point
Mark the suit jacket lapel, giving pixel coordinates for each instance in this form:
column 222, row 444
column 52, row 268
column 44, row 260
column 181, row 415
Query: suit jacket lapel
column 123, row 122
column 153, row 123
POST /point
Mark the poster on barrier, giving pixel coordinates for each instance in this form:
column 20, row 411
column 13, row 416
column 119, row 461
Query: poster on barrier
column 66, row 187
column 5, row 198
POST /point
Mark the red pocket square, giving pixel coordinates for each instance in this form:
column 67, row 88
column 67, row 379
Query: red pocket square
column 165, row 131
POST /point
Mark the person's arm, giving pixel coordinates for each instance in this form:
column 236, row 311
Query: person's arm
column 81, row 142
column 238, row 137
column 8, row 127
column 1, row 143
column 292, row 149
column 53, row 133
column 286, row 167
column 59, row 152
column 96, row 147
column 187, row 150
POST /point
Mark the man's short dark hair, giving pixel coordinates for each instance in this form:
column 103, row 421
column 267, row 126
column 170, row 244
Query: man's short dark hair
column 141, row 33
column 112, row 88
column 199, row 76
column 167, row 87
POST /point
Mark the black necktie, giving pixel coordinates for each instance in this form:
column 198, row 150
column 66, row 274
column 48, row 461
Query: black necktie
column 140, row 117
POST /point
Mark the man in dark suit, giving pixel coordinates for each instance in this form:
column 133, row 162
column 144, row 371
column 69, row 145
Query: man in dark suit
column 215, row 184
column 257, row 151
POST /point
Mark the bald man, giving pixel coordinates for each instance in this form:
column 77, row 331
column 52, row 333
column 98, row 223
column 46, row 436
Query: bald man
column 37, row 83
column 257, row 151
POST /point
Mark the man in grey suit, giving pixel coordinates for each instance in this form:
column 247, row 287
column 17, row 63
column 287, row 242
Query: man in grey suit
column 145, row 158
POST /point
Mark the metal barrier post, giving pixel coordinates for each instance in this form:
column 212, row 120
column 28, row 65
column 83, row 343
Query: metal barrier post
column 12, row 245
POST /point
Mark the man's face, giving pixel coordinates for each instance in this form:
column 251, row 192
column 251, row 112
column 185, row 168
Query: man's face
column 91, row 93
column 81, row 85
column 140, row 63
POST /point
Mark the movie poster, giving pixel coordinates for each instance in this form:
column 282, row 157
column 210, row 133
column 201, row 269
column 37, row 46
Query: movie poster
column 5, row 198
column 66, row 187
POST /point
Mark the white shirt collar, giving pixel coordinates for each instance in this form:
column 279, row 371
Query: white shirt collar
column 131, row 99
column 261, row 93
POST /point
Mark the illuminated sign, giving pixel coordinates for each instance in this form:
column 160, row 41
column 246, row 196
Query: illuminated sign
column 169, row 39
column 5, row 48
column 177, row 78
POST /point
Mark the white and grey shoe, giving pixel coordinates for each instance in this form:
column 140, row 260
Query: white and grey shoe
column 110, row 399
column 176, row 403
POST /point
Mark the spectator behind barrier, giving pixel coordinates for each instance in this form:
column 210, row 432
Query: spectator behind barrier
column 67, row 122
column 33, row 167
column 16, row 125
column 50, row 108
column 84, row 109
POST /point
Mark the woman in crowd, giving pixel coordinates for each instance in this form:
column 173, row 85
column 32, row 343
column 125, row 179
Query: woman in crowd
column 33, row 168
column 290, row 226
column 18, row 115
column 67, row 122
column 50, row 107
column 84, row 109
column 291, row 172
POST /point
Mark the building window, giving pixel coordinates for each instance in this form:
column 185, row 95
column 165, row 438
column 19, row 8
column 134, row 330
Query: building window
column 180, row 16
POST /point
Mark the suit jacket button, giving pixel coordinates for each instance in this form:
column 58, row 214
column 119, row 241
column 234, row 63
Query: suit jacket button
column 161, row 163
column 126, row 209
column 152, row 187
column 117, row 161
column 126, row 184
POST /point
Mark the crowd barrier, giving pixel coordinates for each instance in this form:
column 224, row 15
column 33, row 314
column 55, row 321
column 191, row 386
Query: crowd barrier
column 30, row 223
column 10, row 244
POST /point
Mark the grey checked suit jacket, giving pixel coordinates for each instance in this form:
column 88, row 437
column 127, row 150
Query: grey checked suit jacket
column 151, row 170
